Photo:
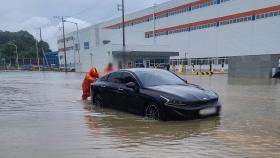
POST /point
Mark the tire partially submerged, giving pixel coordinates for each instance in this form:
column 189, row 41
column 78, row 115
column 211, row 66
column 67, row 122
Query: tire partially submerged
column 152, row 112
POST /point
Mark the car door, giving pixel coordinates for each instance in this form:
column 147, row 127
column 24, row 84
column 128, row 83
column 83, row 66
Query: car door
column 113, row 90
column 103, row 90
column 130, row 99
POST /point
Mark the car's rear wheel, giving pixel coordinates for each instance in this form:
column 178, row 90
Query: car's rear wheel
column 152, row 112
column 98, row 100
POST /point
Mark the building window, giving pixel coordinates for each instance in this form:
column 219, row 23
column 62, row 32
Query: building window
column 267, row 15
column 67, row 39
column 77, row 46
column 224, row 1
column 217, row 24
column 205, row 4
column 185, row 9
column 86, row 45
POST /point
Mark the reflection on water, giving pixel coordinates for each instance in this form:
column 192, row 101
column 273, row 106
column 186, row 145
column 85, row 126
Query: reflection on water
column 41, row 115
column 138, row 129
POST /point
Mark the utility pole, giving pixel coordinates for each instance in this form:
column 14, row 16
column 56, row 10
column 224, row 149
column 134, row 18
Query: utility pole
column 78, row 42
column 12, row 44
column 17, row 56
column 121, row 8
column 37, row 49
column 40, row 33
column 78, row 36
column 91, row 61
column 4, row 60
column 64, row 42
column 5, row 64
column 38, row 60
column 186, row 59
column 123, row 28
column 45, row 58
column 43, row 52
column 154, row 17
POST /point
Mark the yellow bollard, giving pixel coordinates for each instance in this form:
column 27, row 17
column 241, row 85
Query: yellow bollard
column 173, row 68
column 222, row 70
column 182, row 69
column 193, row 70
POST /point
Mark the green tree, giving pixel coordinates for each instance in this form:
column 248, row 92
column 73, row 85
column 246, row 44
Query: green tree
column 25, row 42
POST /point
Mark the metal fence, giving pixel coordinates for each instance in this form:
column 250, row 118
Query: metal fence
column 214, row 64
column 27, row 64
column 200, row 61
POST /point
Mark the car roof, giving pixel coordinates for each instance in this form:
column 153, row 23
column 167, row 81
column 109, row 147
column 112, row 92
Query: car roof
column 142, row 69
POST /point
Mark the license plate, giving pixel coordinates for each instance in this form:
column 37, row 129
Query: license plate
column 208, row 111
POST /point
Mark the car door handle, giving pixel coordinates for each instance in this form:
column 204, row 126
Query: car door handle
column 120, row 89
column 103, row 86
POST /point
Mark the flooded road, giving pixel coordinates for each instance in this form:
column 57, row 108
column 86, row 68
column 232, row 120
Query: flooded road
column 41, row 115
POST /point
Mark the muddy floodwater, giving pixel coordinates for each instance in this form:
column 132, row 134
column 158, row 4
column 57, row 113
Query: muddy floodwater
column 42, row 116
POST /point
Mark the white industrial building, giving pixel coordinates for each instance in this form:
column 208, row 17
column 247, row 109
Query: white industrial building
column 202, row 31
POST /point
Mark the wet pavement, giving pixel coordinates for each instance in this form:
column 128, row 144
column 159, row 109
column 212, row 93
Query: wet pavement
column 41, row 115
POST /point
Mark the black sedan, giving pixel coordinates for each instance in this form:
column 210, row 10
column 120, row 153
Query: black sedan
column 154, row 93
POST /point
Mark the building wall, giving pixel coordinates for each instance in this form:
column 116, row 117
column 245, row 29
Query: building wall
column 253, row 66
column 252, row 37
column 51, row 58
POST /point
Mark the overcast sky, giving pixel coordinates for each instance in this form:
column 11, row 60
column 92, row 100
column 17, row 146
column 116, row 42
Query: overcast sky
column 27, row 15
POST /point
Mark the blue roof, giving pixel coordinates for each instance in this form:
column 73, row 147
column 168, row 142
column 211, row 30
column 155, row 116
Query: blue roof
column 51, row 53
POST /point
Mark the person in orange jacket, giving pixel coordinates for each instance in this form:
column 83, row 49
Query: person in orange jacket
column 90, row 77
column 108, row 69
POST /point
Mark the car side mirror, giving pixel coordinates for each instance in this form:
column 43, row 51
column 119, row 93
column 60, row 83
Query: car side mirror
column 186, row 81
column 132, row 85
